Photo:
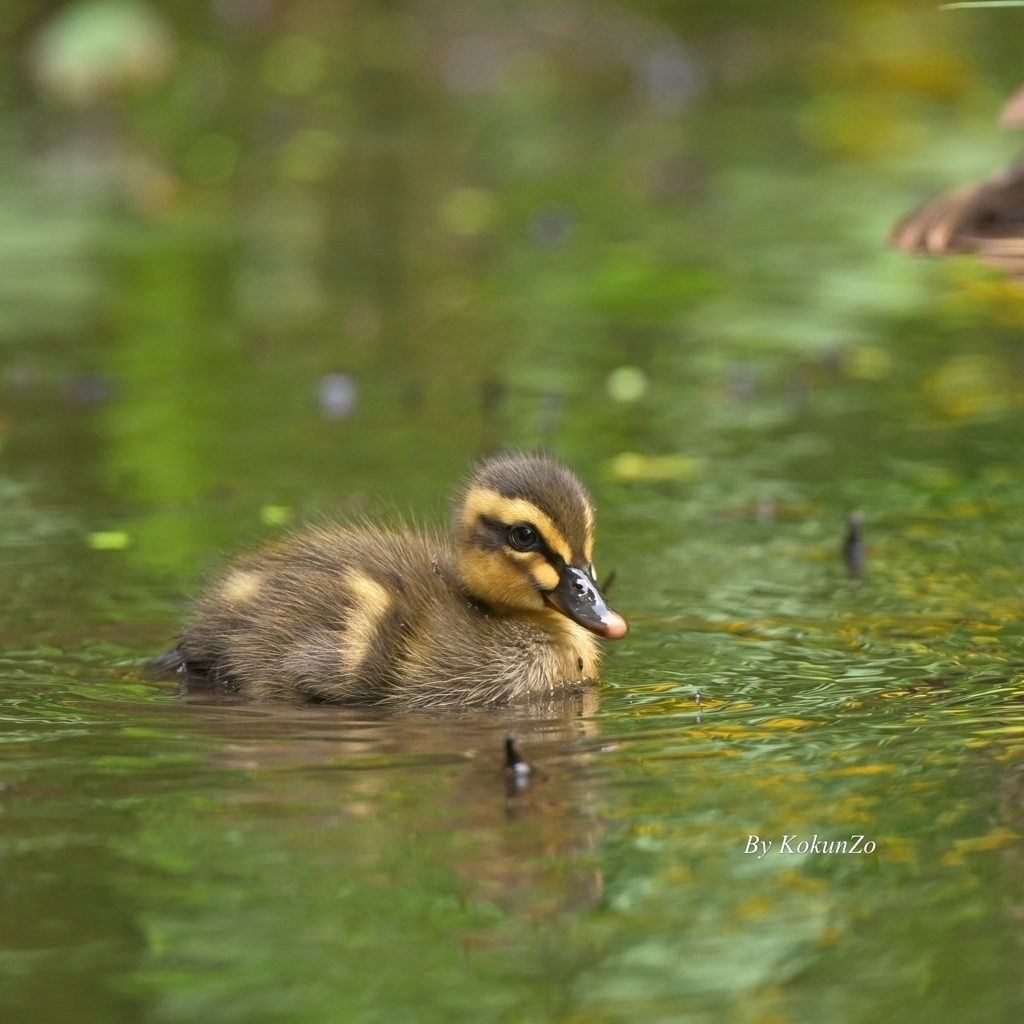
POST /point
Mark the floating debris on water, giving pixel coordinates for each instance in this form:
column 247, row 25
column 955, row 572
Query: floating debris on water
column 108, row 540
column 88, row 389
column 275, row 515
column 337, row 393
column 627, row 384
column 551, row 225
column 672, row 78
column 517, row 771
column 631, row 466
column 854, row 550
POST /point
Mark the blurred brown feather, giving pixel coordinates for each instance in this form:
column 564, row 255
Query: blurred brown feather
column 1012, row 114
column 984, row 217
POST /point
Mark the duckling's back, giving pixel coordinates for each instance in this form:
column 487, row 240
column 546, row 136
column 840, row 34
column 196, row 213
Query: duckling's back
column 371, row 617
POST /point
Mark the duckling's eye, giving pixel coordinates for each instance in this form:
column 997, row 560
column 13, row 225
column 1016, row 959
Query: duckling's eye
column 523, row 538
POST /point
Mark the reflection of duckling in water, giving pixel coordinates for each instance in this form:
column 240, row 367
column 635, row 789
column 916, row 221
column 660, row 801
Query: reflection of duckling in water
column 506, row 608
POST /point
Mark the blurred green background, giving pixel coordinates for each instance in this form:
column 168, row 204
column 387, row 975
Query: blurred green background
column 264, row 260
column 262, row 254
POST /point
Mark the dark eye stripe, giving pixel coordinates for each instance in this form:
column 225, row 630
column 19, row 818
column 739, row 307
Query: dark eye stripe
column 485, row 538
column 497, row 532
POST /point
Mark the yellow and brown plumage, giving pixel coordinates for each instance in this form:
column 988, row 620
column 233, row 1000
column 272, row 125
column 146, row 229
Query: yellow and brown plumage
column 502, row 607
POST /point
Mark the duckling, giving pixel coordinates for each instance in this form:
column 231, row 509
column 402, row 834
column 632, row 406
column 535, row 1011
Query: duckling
column 503, row 607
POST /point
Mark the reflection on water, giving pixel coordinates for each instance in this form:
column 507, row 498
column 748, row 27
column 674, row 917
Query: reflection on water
column 264, row 262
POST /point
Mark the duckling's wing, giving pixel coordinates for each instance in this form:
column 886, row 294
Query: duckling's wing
column 317, row 615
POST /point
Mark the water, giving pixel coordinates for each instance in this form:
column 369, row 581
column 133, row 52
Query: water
column 321, row 265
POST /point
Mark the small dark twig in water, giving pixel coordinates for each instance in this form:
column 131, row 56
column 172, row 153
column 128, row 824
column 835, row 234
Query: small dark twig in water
column 854, row 549
column 608, row 581
column 517, row 771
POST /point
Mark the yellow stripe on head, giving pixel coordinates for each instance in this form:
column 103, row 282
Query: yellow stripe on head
column 482, row 503
column 548, row 487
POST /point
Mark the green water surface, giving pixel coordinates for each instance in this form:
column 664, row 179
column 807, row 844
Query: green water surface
column 650, row 238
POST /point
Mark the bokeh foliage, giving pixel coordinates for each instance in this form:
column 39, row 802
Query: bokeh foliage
column 262, row 260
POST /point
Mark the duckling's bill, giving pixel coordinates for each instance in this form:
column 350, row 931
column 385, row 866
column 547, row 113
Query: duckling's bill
column 578, row 598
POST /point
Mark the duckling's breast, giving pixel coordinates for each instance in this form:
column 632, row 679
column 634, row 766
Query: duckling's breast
column 464, row 654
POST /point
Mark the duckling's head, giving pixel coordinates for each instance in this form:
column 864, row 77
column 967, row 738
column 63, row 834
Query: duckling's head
column 525, row 530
